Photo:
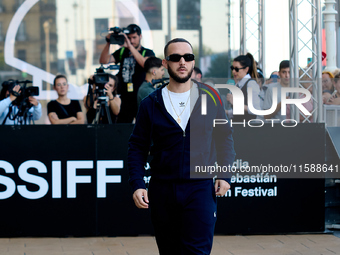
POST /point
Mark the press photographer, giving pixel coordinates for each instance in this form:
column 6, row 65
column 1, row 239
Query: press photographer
column 102, row 102
column 131, row 57
column 17, row 104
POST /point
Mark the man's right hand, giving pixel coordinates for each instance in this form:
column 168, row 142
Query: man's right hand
column 108, row 36
column 230, row 98
column 105, row 56
column 140, row 197
column 15, row 89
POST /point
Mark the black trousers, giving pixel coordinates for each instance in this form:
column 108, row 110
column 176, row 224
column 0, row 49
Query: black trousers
column 183, row 215
column 128, row 109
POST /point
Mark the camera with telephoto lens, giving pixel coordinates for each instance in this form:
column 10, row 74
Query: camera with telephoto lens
column 116, row 37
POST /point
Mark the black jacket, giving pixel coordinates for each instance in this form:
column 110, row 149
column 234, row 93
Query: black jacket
column 177, row 154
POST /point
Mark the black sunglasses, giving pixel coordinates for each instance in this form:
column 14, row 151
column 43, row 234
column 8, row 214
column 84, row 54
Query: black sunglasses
column 236, row 68
column 176, row 57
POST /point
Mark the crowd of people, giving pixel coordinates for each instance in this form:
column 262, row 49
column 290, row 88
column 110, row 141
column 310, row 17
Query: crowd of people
column 139, row 69
column 121, row 94
column 183, row 209
column 247, row 74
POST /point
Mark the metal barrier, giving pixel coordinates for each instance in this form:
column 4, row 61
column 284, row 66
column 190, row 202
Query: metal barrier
column 72, row 180
column 332, row 115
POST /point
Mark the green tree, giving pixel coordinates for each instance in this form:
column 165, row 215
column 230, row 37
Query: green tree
column 2, row 60
column 206, row 52
column 220, row 63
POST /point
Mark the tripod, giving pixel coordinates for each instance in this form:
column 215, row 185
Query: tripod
column 102, row 110
column 22, row 117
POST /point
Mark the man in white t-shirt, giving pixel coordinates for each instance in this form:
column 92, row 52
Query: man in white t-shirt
column 284, row 73
column 183, row 207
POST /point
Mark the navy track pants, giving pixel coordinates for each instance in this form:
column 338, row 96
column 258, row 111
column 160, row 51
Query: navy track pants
column 183, row 215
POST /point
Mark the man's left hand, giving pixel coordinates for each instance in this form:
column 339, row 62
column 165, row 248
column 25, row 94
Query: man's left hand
column 127, row 43
column 221, row 187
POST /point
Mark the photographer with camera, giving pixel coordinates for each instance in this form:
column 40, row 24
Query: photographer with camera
column 131, row 57
column 64, row 110
column 13, row 105
column 114, row 102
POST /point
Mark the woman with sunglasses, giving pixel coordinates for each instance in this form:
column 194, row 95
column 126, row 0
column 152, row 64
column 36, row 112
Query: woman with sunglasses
column 244, row 71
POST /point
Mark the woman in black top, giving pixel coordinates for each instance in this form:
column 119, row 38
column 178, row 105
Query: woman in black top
column 64, row 110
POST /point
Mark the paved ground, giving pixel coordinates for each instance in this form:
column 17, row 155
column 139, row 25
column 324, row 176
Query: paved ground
column 233, row 245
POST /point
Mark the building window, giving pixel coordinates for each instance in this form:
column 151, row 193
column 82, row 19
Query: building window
column 2, row 38
column 2, row 7
column 17, row 4
column 188, row 14
column 152, row 10
column 22, row 55
column 21, row 36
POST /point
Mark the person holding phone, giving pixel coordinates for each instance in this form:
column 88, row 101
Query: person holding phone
column 273, row 78
column 334, row 99
column 327, row 86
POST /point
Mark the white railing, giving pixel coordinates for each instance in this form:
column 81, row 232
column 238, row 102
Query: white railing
column 331, row 114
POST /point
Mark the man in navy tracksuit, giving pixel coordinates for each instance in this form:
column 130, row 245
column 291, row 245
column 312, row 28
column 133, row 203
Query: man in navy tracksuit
column 181, row 139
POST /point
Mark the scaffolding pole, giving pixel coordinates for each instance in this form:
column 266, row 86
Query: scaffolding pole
column 252, row 32
column 305, row 40
column 330, row 30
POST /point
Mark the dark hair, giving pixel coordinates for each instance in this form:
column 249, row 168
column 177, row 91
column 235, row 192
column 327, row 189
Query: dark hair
column 133, row 28
column 58, row 77
column 3, row 90
column 259, row 73
column 248, row 61
column 197, row 70
column 284, row 64
column 152, row 62
column 176, row 40
column 116, row 83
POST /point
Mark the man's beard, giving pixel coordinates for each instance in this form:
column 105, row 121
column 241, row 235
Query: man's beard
column 178, row 79
column 136, row 47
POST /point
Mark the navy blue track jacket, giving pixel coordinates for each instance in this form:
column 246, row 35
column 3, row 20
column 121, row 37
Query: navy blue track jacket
column 176, row 152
